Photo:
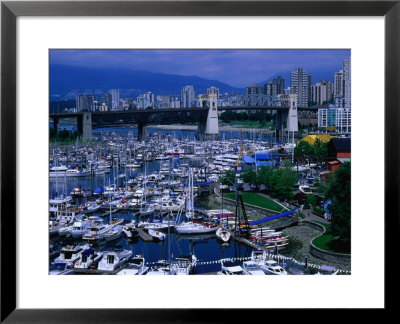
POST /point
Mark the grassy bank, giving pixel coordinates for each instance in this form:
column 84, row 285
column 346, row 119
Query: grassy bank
column 256, row 200
column 250, row 124
column 328, row 242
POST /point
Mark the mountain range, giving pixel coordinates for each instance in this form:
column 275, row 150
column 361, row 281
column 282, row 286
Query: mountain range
column 68, row 81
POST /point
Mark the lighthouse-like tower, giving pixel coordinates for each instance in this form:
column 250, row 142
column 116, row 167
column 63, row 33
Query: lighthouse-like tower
column 212, row 129
column 292, row 120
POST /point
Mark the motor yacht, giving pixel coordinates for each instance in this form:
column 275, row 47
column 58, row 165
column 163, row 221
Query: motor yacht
column 69, row 254
column 229, row 267
column 272, row 267
column 89, row 259
column 135, row 266
column 253, row 268
column 113, row 260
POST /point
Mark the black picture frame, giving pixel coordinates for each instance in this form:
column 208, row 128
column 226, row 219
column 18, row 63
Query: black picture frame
column 10, row 10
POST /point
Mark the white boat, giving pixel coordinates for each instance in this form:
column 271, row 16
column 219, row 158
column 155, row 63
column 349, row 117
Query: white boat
column 253, row 268
column 184, row 265
column 97, row 231
column 79, row 228
column 305, row 190
column 89, row 259
column 160, row 268
column 223, row 234
column 148, row 210
column 69, row 254
column 127, row 228
column 114, row 234
column 135, row 266
column 113, row 260
column 65, row 230
column 133, row 165
column 194, row 228
column 272, row 267
column 228, row 267
column 160, row 236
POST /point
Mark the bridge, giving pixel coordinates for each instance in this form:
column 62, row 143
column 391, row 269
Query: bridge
column 207, row 117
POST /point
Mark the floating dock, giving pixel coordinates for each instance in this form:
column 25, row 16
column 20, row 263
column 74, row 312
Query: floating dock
column 143, row 235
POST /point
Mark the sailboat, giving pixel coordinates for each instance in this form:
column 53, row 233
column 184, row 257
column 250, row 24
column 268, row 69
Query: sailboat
column 191, row 227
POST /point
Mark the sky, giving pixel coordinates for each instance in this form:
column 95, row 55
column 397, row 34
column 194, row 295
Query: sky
column 238, row 68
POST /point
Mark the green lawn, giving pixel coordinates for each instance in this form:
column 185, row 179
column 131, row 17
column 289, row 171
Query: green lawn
column 249, row 124
column 256, row 200
column 328, row 242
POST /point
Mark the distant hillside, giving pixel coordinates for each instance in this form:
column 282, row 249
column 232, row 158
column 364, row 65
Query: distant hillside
column 68, row 81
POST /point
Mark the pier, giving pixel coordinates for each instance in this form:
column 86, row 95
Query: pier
column 143, row 235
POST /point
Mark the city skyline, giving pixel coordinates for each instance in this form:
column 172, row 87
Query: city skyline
column 249, row 65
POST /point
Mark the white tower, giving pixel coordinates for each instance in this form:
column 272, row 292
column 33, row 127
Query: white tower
column 212, row 130
column 292, row 120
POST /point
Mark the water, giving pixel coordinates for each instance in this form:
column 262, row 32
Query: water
column 178, row 134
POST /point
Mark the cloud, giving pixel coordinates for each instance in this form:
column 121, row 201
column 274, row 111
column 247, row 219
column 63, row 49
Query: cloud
column 235, row 67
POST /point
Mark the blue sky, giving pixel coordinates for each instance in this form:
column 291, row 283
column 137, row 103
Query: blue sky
column 237, row 68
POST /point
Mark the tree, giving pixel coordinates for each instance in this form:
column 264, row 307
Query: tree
column 264, row 176
column 249, row 176
column 228, row 178
column 283, row 180
column 339, row 191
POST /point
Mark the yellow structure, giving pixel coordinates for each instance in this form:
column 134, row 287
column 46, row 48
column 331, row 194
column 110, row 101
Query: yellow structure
column 311, row 139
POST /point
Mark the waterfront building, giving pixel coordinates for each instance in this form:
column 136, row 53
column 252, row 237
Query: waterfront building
column 188, row 99
column 321, row 92
column 335, row 119
column 254, row 88
column 275, row 86
column 300, row 82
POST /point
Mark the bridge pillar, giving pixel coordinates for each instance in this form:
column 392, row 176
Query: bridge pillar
column 287, row 121
column 211, row 128
column 85, row 126
column 55, row 125
column 141, row 131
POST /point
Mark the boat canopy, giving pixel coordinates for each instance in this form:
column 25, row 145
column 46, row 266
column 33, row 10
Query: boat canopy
column 88, row 252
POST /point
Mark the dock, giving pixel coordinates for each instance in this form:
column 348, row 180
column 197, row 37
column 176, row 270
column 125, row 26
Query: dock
column 143, row 235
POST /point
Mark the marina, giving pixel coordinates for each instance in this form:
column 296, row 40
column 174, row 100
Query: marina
column 142, row 198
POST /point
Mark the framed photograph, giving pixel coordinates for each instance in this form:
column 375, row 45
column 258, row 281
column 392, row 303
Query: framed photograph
column 200, row 138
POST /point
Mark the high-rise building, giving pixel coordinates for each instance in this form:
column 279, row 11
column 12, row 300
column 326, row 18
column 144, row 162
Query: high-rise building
column 162, row 101
column 107, row 100
column 115, row 98
column 213, row 90
column 300, row 85
column 321, row 92
column 145, row 100
column 347, row 83
column 86, row 103
column 338, row 84
column 188, row 99
column 275, row 86
column 254, row 89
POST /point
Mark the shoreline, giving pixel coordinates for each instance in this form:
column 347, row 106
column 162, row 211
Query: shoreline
column 221, row 128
